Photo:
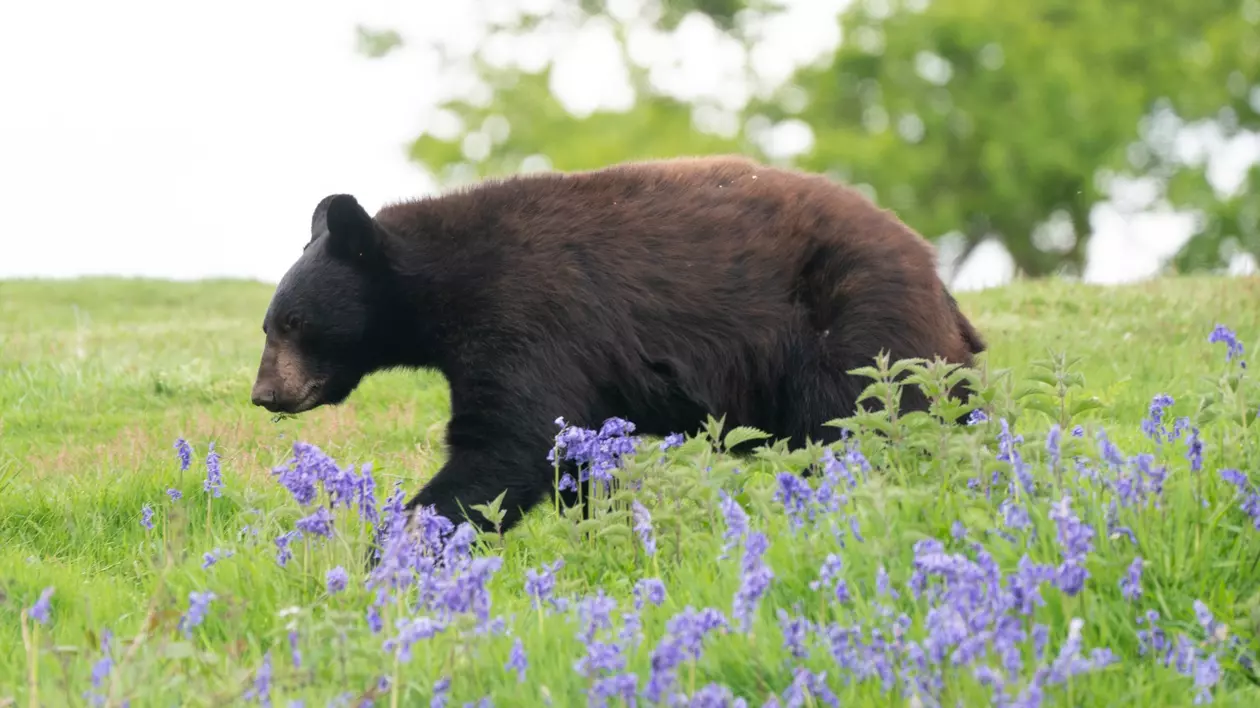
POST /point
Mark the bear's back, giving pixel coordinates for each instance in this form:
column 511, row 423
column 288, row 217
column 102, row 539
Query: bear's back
column 721, row 248
column 660, row 214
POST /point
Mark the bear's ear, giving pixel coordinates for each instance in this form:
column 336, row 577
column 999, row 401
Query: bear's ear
column 351, row 231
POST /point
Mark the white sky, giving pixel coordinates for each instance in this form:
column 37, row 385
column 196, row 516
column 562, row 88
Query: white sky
column 183, row 140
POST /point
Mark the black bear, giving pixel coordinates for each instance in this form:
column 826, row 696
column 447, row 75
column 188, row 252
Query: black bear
column 658, row 292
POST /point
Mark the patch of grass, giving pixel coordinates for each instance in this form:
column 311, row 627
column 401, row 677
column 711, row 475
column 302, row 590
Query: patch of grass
column 99, row 377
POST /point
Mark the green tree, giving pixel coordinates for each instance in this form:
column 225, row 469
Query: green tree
column 976, row 118
column 1005, row 119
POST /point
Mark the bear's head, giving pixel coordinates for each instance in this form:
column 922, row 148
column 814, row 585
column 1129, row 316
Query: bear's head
column 325, row 326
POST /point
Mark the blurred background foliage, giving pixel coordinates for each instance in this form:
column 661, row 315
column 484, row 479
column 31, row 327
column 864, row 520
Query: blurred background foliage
column 972, row 119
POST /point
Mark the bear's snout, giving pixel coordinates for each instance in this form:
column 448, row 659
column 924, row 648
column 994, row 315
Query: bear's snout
column 263, row 395
column 283, row 384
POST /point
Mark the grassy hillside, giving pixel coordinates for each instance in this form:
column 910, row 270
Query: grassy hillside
column 98, row 378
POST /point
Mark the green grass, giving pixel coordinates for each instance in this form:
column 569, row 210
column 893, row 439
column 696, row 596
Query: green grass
column 98, row 378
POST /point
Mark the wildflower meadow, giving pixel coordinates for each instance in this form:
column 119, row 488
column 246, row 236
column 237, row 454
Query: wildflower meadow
column 1089, row 536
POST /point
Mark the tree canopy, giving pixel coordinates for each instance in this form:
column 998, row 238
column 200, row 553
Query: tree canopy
column 972, row 119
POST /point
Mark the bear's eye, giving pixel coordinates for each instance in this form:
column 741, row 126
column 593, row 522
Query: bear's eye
column 292, row 323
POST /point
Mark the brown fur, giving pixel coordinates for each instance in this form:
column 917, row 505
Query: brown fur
column 724, row 273
column 659, row 292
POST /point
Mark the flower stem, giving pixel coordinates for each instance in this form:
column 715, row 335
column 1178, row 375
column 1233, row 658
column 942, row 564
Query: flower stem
column 31, row 639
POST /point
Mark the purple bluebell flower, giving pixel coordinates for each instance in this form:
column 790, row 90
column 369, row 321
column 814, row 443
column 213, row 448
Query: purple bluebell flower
column 319, row 523
column 991, row 679
column 606, row 688
column 174, row 494
column 283, row 552
column 214, row 478
column 295, row 653
column 441, row 692
column 410, row 631
column 736, row 523
column 595, row 613
column 393, row 514
column 650, row 589
column 806, row 682
column 366, row 490
column 1040, row 637
column 1233, row 347
column 336, row 580
column 1180, row 426
column 1152, row 640
column 1113, row 524
column 643, row 526
column 198, row 603
column 755, row 579
column 343, row 486
column 1007, row 452
column 1069, row 662
column 184, row 452
column 797, row 498
column 1131, row 583
column 298, row 480
column 855, row 460
column 308, row 467
column 683, row 640
column 839, row 470
column 1054, row 442
column 1078, row 431
column 1250, row 498
column 260, row 690
column 1076, row 541
column 211, row 557
column 458, row 546
column 541, row 584
column 39, row 611
column 1236, row 478
column 691, row 627
column 1184, row 656
column 1207, row 672
column 517, row 661
column 1153, row 423
column 1070, row 577
column 715, row 695
column 1108, row 451
column 1014, row 516
column 1194, row 450
column 601, row 659
column 466, row 591
column 100, row 670
column 1203, row 614
column 672, row 440
column 958, row 531
column 829, row 575
column 146, row 516
column 597, row 454
column 631, row 626
column 977, row 417
column 796, row 632
column 883, row 586
column 853, row 528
